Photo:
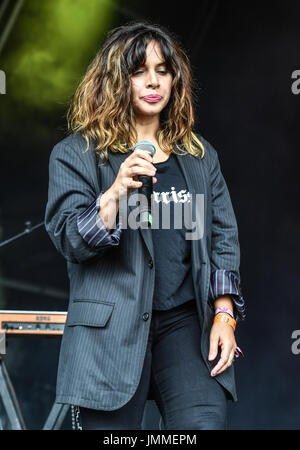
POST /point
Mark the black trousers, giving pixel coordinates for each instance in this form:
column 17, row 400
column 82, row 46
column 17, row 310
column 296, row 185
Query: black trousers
column 186, row 395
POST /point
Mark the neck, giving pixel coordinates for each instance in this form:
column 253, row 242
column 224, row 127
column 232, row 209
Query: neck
column 147, row 128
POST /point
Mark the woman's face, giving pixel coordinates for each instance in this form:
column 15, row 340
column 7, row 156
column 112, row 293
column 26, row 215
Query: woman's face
column 151, row 84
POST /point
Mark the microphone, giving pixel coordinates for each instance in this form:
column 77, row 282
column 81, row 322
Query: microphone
column 147, row 188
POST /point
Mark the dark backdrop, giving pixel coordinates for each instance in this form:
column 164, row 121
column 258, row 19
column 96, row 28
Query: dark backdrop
column 243, row 55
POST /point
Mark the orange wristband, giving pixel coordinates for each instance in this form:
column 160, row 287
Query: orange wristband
column 223, row 317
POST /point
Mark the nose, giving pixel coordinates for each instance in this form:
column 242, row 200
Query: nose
column 152, row 80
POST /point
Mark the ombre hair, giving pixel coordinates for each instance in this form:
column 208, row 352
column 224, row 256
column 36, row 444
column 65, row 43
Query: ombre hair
column 101, row 107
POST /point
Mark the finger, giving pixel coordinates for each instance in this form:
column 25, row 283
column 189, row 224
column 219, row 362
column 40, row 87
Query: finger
column 138, row 161
column 138, row 170
column 224, row 362
column 226, row 366
column 213, row 348
column 133, row 184
column 142, row 154
column 223, row 359
column 229, row 362
column 232, row 356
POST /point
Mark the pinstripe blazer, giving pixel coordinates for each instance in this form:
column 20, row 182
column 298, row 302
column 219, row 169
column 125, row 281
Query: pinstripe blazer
column 111, row 286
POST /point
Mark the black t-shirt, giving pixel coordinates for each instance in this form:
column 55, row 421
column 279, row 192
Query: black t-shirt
column 172, row 251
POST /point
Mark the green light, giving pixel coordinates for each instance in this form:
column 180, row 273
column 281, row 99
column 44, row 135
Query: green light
column 53, row 42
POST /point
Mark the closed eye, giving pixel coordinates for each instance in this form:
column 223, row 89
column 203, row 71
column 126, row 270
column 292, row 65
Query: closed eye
column 161, row 72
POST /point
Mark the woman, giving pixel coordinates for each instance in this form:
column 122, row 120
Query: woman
column 151, row 312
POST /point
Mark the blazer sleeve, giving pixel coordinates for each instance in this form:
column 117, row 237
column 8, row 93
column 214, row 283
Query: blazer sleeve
column 71, row 217
column 225, row 249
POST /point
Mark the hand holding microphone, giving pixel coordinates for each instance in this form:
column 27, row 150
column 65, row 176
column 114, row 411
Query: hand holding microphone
column 136, row 172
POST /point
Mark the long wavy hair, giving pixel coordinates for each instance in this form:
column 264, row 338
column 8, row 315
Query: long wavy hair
column 101, row 108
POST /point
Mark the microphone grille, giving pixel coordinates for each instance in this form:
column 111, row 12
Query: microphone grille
column 147, row 146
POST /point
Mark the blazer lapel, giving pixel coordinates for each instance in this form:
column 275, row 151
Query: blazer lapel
column 192, row 173
column 192, row 169
column 195, row 177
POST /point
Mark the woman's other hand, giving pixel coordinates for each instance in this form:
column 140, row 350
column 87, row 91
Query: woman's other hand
column 222, row 335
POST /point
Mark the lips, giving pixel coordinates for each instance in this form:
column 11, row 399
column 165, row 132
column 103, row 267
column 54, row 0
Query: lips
column 152, row 98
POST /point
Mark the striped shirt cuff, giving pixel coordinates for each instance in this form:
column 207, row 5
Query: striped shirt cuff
column 93, row 230
column 224, row 282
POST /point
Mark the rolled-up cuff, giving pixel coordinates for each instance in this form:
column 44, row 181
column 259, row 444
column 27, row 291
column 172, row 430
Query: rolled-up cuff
column 224, row 282
column 93, row 230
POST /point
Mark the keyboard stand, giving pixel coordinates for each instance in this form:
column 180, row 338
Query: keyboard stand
column 9, row 400
column 56, row 417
